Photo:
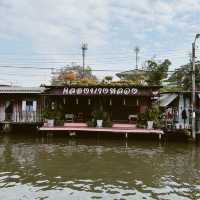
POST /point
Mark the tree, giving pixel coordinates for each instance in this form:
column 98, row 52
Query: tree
column 67, row 76
column 88, row 80
column 156, row 72
column 107, row 79
column 72, row 74
column 152, row 74
column 182, row 77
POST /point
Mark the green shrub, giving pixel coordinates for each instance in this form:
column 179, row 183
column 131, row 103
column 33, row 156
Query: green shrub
column 91, row 123
column 152, row 113
column 107, row 123
column 141, row 120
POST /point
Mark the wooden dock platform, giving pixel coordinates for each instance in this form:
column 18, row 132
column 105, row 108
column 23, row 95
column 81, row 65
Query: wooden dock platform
column 117, row 128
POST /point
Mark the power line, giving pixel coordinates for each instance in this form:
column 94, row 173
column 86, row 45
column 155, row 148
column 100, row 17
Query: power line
column 52, row 68
column 23, row 67
column 103, row 51
column 107, row 56
column 108, row 60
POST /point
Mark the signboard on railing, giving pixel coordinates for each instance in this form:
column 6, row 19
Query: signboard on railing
column 99, row 91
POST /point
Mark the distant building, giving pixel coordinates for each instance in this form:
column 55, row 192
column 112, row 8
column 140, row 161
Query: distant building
column 136, row 74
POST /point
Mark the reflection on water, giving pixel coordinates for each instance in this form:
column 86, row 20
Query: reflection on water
column 66, row 168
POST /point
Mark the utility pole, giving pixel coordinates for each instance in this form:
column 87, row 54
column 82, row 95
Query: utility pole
column 194, row 90
column 84, row 47
column 193, row 93
column 137, row 50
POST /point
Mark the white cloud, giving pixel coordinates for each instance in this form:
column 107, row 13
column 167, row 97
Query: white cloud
column 57, row 24
column 106, row 25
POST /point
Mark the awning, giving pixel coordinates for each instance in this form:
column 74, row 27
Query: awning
column 166, row 99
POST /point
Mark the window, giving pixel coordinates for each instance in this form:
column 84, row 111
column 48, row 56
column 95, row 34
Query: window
column 29, row 106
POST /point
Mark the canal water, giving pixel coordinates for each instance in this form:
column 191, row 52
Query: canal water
column 33, row 167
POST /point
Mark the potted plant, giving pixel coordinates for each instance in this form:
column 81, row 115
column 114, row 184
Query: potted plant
column 99, row 116
column 152, row 115
column 49, row 116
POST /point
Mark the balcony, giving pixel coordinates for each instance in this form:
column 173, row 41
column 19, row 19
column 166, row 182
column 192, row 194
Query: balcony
column 21, row 117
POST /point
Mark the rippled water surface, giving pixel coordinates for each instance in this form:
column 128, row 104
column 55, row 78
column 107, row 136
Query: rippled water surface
column 72, row 168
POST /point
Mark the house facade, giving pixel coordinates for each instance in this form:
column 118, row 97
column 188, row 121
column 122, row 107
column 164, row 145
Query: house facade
column 122, row 103
column 176, row 108
column 20, row 104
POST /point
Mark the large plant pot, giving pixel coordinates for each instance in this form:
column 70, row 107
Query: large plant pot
column 50, row 122
column 99, row 123
column 149, row 124
column 177, row 126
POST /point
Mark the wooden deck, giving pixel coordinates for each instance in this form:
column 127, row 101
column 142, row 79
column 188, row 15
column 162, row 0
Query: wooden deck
column 117, row 128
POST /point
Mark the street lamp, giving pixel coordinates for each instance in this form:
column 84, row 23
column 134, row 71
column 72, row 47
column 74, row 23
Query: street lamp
column 194, row 88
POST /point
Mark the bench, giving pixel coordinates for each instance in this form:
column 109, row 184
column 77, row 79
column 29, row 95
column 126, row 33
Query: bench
column 75, row 124
column 124, row 125
column 69, row 117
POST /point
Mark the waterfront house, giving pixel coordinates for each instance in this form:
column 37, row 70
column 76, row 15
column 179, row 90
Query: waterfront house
column 176, row 108
column 122, row 102
column 20, row 104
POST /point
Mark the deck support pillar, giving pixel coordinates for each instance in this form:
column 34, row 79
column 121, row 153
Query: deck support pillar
column 160, row 136
column 72, row 133
column 126, row 135
column 6, row 127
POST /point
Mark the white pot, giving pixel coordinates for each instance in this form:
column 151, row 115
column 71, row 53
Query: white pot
column 99, row 123
column 177, row 125
column 149, row 124
column 50, row 122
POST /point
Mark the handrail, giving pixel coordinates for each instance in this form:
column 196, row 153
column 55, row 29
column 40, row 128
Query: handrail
column 21, row 117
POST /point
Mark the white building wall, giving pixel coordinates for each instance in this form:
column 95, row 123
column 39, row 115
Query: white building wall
column 184, row 103
column 187, row 107
column 34, row 106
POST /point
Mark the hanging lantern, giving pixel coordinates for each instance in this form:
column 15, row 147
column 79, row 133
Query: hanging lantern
column 110, row 102
column 64, row 100
column 124, row 101
column 52, row 105
column 137, row 102
column 77, row 101
column 89, row 101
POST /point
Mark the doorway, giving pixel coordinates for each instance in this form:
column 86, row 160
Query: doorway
column 9, row 111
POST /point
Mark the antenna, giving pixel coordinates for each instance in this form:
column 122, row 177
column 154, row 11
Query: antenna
column 137, row 50
column 84, row 47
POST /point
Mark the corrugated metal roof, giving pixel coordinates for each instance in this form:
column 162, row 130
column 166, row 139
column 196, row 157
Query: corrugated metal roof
column 20, row 90
column 166, row 99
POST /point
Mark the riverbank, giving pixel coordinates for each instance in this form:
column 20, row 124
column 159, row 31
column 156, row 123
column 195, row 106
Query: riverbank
column 142, row 134
column 28, row 133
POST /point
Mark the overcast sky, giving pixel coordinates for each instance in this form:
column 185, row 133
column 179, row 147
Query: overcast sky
column 49, row 33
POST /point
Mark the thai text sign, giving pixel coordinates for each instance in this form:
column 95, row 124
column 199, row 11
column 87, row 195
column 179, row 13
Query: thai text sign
column 99, row 91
